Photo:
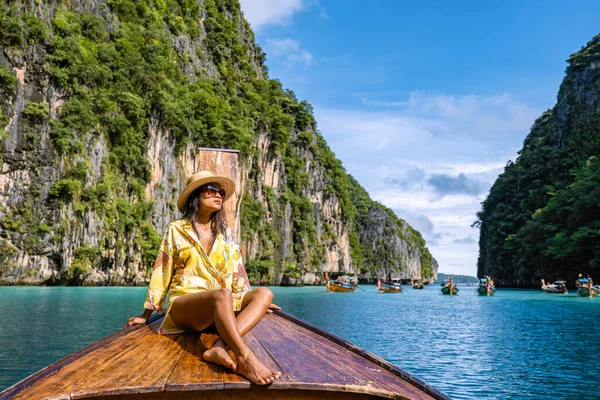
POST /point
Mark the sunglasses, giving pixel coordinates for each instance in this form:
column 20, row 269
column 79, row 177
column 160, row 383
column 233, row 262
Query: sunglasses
column 212, row 191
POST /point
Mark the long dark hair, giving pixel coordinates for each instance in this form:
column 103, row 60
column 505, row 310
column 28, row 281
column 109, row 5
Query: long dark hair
column 218, row 221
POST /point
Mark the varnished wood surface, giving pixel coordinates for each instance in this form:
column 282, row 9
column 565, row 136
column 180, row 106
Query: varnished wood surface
column 225, row 394
column 136, row 364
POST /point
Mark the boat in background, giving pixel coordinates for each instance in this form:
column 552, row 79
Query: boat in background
column 418, row 284
column 586, row 288
column 395, row 286
column 338, row 285
column 486, row 287
column 559, row 287
column 449, row 288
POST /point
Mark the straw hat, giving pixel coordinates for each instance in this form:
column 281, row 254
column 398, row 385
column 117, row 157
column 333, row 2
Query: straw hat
column 202, row 178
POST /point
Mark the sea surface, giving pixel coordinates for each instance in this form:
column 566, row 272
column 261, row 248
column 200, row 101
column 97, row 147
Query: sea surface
column 519, row 344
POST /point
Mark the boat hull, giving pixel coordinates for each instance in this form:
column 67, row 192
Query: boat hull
column 229, row 394
column 483, row 291
column 446, row 290
column 588, row 292
column 390, row 290
column 136, row 363
column 556, row 290
column 337, row 288
column 394, row 287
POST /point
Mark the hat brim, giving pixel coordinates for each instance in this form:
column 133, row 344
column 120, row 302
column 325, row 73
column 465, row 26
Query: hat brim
column 226, row 184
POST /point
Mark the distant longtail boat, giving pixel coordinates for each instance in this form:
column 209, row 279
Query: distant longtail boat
column 586, row 288
column 341, row 286
column 559, row 287
column 418, row 284
column 395, row 286
column 449, row 288
column 486, row 287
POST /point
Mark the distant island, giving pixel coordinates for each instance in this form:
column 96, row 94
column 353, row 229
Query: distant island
column 458, row 279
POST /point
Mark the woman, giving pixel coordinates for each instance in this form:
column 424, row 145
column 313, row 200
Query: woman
column 200, row 265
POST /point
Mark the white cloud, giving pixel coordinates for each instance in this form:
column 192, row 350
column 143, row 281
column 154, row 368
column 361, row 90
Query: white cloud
column 435, row 158
column 375, row 102
column 289, row 52
column 270, row 12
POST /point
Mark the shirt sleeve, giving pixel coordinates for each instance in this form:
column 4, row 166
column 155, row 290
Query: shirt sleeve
column 162, row 273
column 241, row 284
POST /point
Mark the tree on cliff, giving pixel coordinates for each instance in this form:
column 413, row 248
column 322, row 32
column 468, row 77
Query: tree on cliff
column 87, row 88
column 541, row 218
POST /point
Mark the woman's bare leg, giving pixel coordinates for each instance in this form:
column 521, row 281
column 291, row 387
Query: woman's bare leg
column 254, row 306
column 197, row 311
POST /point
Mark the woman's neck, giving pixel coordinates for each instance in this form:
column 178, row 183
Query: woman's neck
column 203, row 218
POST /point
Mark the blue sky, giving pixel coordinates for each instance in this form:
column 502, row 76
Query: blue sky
column 424, row 102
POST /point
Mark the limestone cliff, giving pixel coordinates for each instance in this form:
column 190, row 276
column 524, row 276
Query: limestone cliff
column 540, row 220
column 104, row 106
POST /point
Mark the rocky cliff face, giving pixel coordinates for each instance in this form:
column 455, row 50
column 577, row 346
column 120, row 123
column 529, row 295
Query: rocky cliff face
column 104, row 106
column 540, row 219
column 390, row 248
column 392, row 255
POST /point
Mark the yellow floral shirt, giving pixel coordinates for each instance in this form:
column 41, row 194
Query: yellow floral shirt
column 183, row 267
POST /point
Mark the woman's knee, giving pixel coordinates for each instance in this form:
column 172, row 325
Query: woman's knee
column 222, row 295
column 264, row 294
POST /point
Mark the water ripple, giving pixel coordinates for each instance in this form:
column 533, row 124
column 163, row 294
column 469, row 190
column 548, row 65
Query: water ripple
column 518, row 344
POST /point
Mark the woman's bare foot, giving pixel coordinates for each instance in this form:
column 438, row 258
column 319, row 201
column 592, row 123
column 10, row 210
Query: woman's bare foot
column 218, row 354
column 255, row 371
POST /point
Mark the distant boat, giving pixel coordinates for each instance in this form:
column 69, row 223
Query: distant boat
column 486, row 287
column 586, row 288
column 338, row 285
column 418, row 284
column 449, row 288
column 559, row 287
column 395, row 286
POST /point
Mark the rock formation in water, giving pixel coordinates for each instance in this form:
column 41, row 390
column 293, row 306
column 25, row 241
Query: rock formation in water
column 103, row 108
column 541, row 219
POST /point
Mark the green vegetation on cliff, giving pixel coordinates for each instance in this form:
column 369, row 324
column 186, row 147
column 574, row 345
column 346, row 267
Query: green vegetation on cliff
column 384, row 257
column 541, row 217
column 109, row 75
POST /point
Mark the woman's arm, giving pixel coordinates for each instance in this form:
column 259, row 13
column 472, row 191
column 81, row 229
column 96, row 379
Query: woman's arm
column 160, row 279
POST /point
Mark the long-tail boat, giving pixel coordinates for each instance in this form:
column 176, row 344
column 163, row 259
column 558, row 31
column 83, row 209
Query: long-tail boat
column 449, row 288
column 586, row 288
column 486, row 287
column 559, row 287
column 136, row 363
column 418, row 284
column 395, row 286
column 338, row 286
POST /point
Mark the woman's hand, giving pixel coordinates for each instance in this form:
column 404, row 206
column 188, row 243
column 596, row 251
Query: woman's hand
column 140, row 319
column 273, row 307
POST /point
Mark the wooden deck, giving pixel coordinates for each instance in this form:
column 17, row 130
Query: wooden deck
column 136, row 363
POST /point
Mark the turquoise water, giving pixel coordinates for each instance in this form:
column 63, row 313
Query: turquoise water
column 519, row 344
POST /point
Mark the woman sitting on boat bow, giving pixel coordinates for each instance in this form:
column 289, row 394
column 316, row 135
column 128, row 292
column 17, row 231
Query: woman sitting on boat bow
column 200, row 265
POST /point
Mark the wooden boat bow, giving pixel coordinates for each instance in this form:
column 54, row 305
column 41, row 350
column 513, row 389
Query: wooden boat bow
column 136, row 363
